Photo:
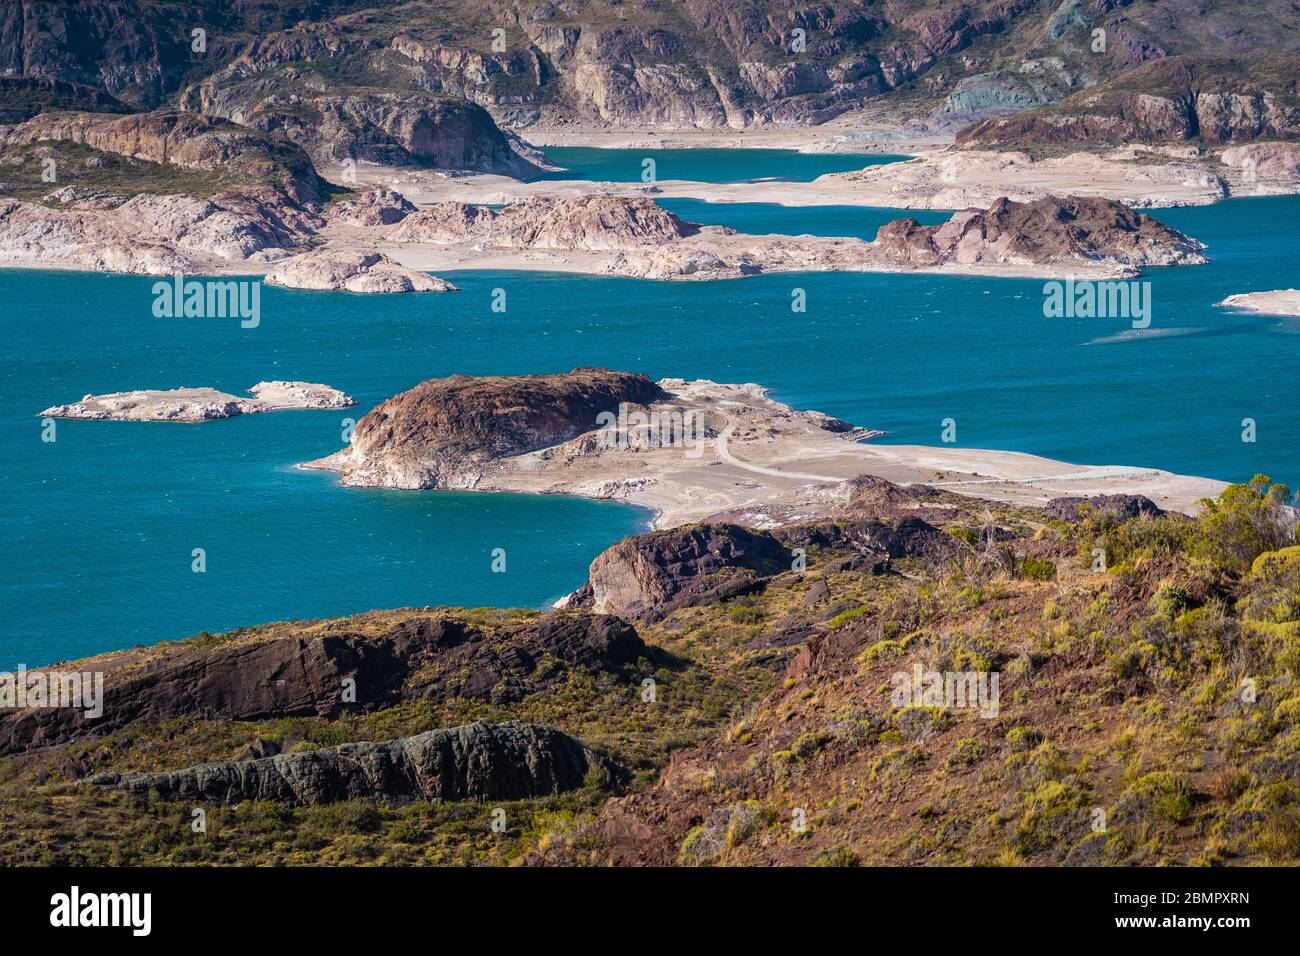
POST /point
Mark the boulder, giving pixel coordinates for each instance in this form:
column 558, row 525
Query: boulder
column 645, row 577
column 1121, row 507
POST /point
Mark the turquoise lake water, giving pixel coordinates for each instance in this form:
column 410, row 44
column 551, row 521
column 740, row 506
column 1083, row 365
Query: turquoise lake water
column 99, row 526
column 705, row 165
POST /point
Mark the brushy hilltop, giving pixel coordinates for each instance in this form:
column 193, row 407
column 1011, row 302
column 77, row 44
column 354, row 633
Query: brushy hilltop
column 736, row 705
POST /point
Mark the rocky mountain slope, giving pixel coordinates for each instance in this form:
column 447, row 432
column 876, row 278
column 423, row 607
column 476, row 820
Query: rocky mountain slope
column 1145, row 710
column 1216, row 100
column 701, row 63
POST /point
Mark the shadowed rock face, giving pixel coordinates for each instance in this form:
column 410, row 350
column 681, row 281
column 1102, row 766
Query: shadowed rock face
column 1054, row 229
column 441, row 433
column 301, row 672
column 647, row 576
column 22, row 97
column 511, row 761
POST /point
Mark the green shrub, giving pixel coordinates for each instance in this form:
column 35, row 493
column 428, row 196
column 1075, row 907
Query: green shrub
column 1038, row 569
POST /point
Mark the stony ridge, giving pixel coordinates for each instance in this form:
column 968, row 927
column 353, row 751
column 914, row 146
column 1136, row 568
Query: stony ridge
column 299, row 670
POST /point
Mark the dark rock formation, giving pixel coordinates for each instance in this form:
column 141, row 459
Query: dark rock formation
column 647, row 576
column 1053, row 229
column 300, row 671
column 523, row 660
column 1120, row 507
column 906, row 537
column 22, row 97
column 511, row 761
column 442, row 432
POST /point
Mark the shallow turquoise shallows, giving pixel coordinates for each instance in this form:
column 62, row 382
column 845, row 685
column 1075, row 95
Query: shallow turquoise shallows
column 99, row 526
column 704, row 165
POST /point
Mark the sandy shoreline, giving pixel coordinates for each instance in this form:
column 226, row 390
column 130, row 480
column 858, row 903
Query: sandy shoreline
column 763, row 463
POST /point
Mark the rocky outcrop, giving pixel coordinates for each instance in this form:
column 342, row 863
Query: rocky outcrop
column 593, row 223
column 1054, row 229
column 1118, row 507
column 151, row 234
column 375, row 207
column 704, row 65
column 301, row 670
column 1217, row 100
column 200, row 404
column 511, row 761
column 906, row 537
column 386, row 128
column 1264, row 169
column 344, row 271
column 208, row 227
column 443, row 432
column 647, row 576
column 188, row 140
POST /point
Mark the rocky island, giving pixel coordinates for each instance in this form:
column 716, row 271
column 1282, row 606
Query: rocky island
column 1052, row 237
column 1280, row 302
column 687, row 450
column 200, row 404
